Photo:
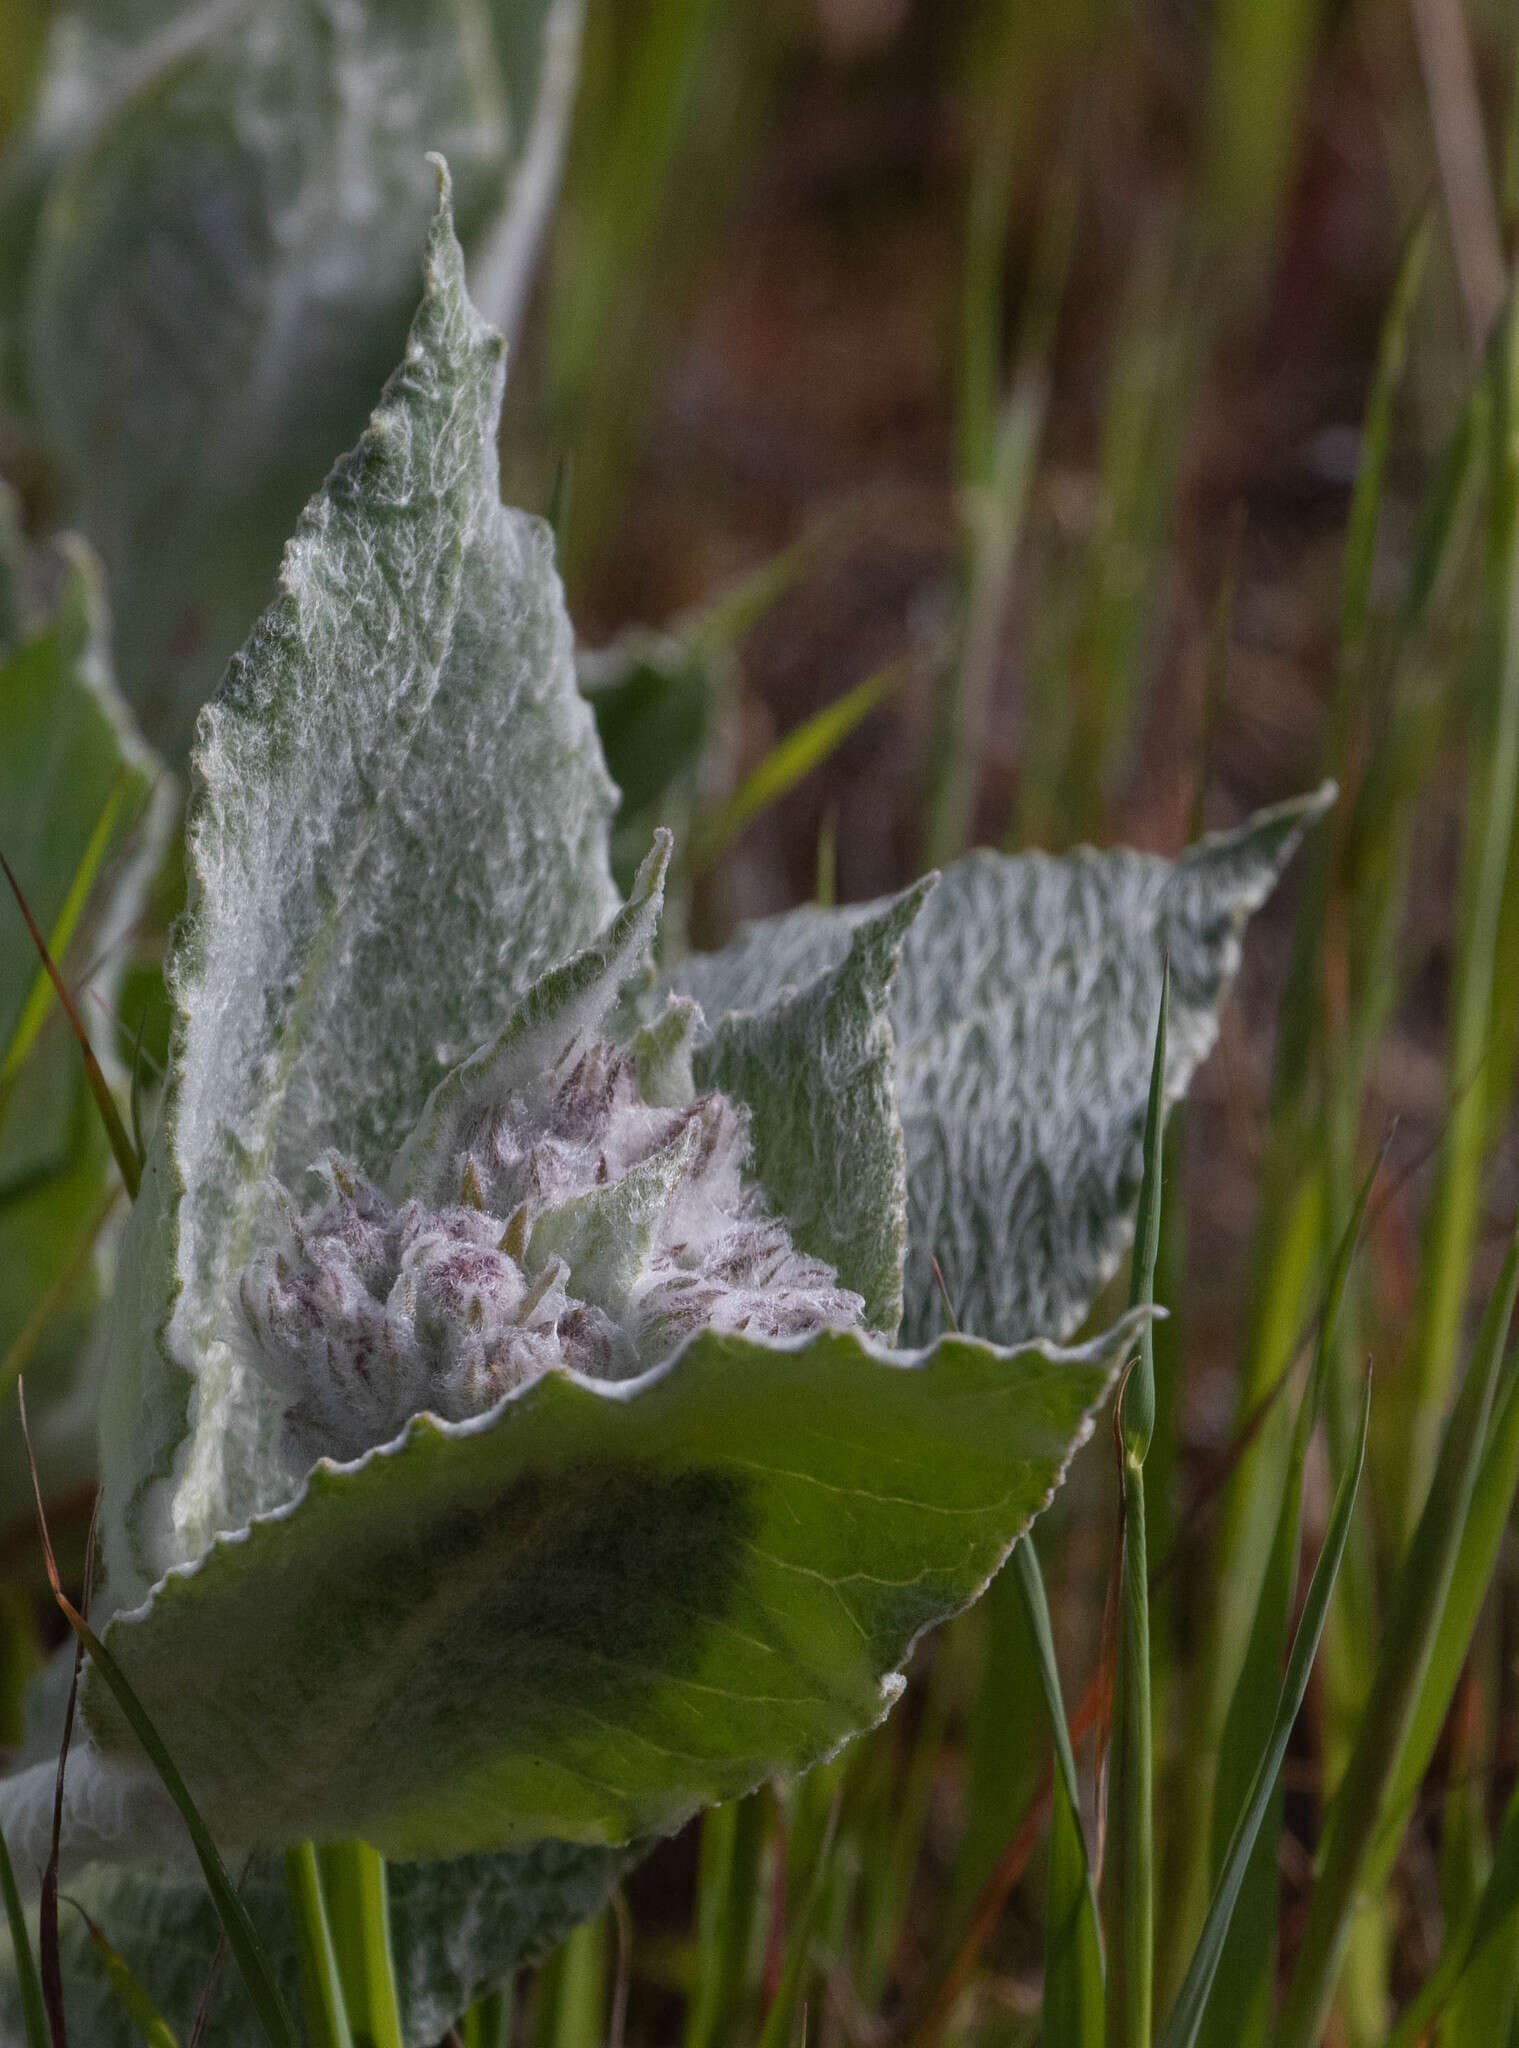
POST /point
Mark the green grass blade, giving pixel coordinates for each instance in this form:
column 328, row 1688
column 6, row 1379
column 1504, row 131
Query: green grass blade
column 1239, row 2005
column 1187, row 2017
column 28, row 1983
column 242, row 1936
column 1448, row 515
column 1451, row 1218
column 572, row 1988
column 321, row 1988
column 1476, row 1561
column 1072, row 2011
column 1418, row 1597
column 727, row 1893
column 18, row 1354
column 1131, row 1986
column 1285, row 1264
column 487, row 2023
column 40, row 998
column 1003, row 1738
column 1261, row 63
column 1483, row 2003
column 1000, row 442
column 131, row 1993
column 780, row 2020
column 1303, row 1021
column 355, row 1894
column 1137, row 1405
column 1376, row 439
column 1493, row 1915
column 887, row 1894
column 789, row 760
column 1073, row 1975
column 1132, row 1991
column 128, row 1164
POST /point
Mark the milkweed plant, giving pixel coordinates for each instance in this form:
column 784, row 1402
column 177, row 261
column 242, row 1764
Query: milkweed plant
column 528, row 1410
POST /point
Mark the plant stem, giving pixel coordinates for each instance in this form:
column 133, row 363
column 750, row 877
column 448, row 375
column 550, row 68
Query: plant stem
column 486, row 2024
column 1138, row 1868
column 1136, row 1999
column 321, row 1988
column 355, row 1892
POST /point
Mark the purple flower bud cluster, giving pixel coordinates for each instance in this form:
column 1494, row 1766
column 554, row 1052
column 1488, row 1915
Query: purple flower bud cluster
column 592, row 1230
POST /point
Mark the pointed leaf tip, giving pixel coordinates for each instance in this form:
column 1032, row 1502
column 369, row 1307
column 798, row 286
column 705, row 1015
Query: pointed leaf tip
column 399, row 821
column 445, row 180
column 649, row 883
column 1023, row 1088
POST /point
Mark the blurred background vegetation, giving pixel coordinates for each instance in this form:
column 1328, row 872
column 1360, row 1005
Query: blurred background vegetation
column 1023, row 422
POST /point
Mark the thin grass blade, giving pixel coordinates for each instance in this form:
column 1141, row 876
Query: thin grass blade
column 1239, row 2006
column 727, row 1894
column 35, row 1328
column 1137, row 1403
column 789, row 760
column 131, row 1993
column 1452, row 1216
column 1187, row 2017
column 127, row 1162
column 39, row 999
column 1493, row 1915
column 781, row 2018
column 1003, row 1740
column 1131, row 1991
column 1073, row 1973
column 29, row 1985
column 242, row 1936
column 1476, row 1561
column 1418, row 1598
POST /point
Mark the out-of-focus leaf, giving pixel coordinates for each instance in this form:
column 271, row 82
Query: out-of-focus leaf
column 656, row 697
column 208, row 261
column 790, row 761
column 398, row 819
column 1024, row 1014
column 131, row 1995
column 456, row 1927
column 31, row 2018
column 84, row 815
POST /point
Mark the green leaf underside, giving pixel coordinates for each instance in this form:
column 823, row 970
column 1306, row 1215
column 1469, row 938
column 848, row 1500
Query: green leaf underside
column 208, row 261
column 664, row 1592
column 457, row 1927
column 398, row 820
column 817, row 1071
column 1024, row 1012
